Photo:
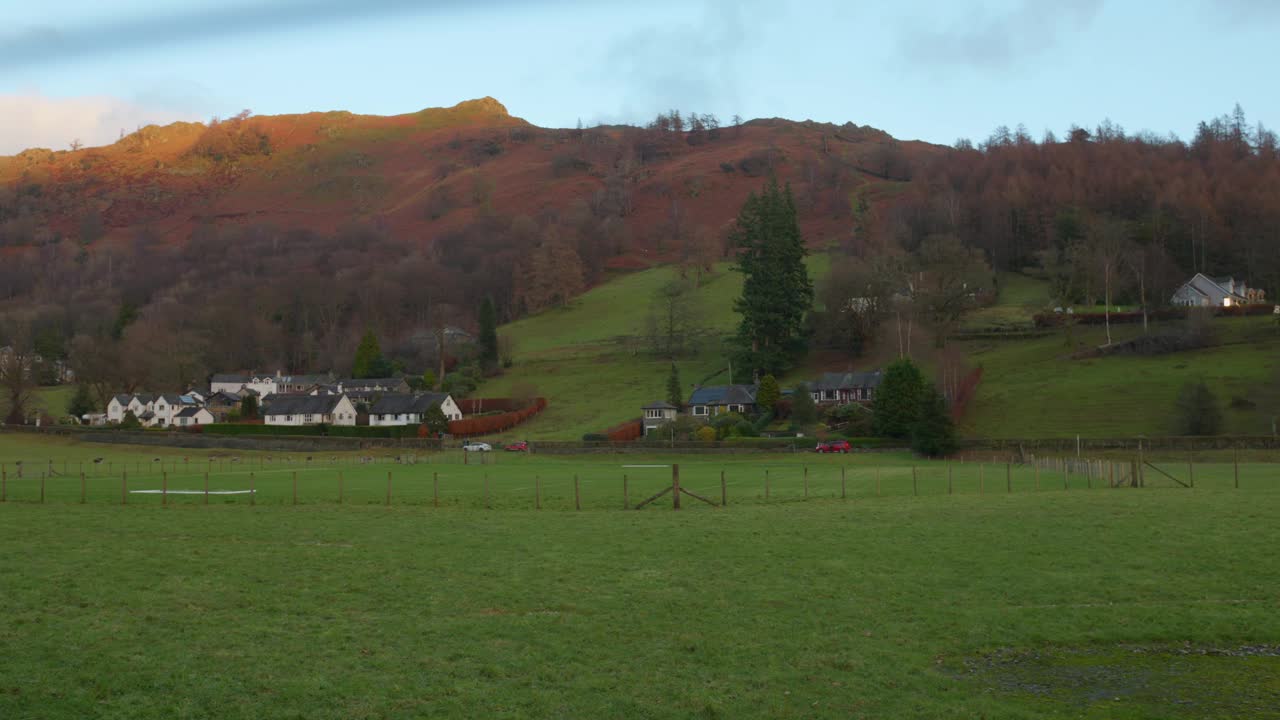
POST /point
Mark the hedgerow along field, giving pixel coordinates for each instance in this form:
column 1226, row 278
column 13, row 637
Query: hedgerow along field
column 1097, row 603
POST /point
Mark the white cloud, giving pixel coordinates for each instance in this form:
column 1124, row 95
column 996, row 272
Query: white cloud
column 30, row 120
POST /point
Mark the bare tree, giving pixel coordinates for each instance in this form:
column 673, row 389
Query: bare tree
column 17, row 370
column 1108, row 242
column 950, row 277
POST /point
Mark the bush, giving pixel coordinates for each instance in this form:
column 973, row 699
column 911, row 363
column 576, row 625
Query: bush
column 933, row 434
column 130, row 421
column 1197, row 410
column 706, row 433
column 727, row 168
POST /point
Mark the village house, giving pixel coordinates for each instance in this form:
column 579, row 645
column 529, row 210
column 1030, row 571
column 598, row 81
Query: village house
column 221, row 404
column 120, row 405
column 263, row 385
column 716, row 399
column 227, row 383
column 844, row 388
column 657, row 414
column 401, row 409
column 192, row 416
column 290, row 409
column 1204, row 291
column 166, row 408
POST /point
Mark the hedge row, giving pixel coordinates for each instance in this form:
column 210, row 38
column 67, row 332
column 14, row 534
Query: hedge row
column 1045, row 320
column 487, row 424
column 392, row 432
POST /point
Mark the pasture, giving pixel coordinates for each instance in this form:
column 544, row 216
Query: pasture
column 997, row 600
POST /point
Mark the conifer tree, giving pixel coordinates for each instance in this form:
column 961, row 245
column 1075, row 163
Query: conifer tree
column 81, row 403
column 776, row 289
column 675, row 393
column 368, row 356
column 933, row 434
column 488, row 333
column 803, row 410
column 768, row 394
column 897, row 403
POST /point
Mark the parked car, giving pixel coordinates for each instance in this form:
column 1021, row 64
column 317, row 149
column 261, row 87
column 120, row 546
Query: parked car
column 522, row 446
column 476, row 446
column 833, row 446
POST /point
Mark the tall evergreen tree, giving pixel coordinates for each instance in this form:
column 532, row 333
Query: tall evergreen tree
column 368, row 357
column 1198, row 412
column 675, row 393
column 768, row 394
column 933, row 434
column 249, row 407
column 803, row 410
column 776, row 289
column 897, row 403
column 81, row 403
column 488, row 333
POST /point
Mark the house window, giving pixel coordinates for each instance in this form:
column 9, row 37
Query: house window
column 699, row 409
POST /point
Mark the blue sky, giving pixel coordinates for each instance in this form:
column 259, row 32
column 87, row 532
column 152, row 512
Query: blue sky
column 937, row 71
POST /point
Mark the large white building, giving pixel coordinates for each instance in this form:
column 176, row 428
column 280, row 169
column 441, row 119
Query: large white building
column 411, row 409
column 289, row 409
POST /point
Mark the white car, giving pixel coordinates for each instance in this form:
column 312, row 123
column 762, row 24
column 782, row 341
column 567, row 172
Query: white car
column 474, row 446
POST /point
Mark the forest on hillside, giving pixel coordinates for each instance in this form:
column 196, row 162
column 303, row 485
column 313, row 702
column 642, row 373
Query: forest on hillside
column 1137, row 212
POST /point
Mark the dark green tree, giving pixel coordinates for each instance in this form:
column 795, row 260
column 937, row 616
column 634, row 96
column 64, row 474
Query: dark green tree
column 768, row 394
column 435, row 421
column 897, row 402
column 488, row 333
column 776, row 289
column 368, row 357
column 1198, row 412
column 675, row 393
column 130, row 421
column 933, row 434
column 803, row 411
column 81, row 403
column 249, row 407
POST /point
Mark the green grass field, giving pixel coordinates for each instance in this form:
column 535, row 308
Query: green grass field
column 1031, row 604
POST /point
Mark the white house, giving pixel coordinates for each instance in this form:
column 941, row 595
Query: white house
column 1204, row 291
column 191, row 416
column 227, row 383
column 263, row 384
column 845, row 387
column 289, row 409
column 657, row 414
column 403, row 409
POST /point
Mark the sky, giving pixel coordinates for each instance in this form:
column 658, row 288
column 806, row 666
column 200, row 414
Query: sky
column 935, row 70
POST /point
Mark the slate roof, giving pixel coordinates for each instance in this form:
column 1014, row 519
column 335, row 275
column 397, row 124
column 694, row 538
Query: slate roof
column 288, row 404
column 724, row 395
column 123, row 399
column 401, row 404
column 844, row 381
column 223, row 398
column 660, row 405
column 229, row 378
column 372, row 383
column 189, row 412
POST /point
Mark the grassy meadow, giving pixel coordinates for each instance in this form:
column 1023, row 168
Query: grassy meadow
column 1083, row 603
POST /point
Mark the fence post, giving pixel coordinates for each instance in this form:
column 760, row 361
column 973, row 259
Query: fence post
column 877, row 481
column 82, row 488
column 577, row 493
column 724, row 492
column 626, row 498
column 675, row 486
column 486, row 490
column 4, row 484
column 435, row 489
column 766, row 483
column 843, row 493
column 253, row 493
column 1236, row 461
column 206, row 488
column 1191, row 471
column 295, row 487
column 915, row 487
column 340, row 487
column 949, row 479
column 1066, row 470
column 982, row 481
column 1008, row 478
column 124, row 487
column 42, row 485
column 389, row 487
column 806, row 482
column 1111, row 469
column 537, row 492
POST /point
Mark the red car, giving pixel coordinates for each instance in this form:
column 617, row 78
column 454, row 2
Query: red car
column 833, row 446
column 522, row 446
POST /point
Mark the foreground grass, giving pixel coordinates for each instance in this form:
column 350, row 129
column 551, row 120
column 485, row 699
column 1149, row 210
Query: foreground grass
column 820, row 609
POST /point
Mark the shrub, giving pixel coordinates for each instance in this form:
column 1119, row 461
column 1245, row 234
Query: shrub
column 130, row 421
column 727, row 168
column 933, row 434
column 1197, row 410
column 706, row 433
column 803, row 411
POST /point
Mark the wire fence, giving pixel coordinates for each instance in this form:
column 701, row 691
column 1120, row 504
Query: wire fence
column 462, row 481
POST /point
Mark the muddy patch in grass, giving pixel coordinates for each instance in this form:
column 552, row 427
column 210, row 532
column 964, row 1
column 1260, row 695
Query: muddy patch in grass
column 1141, row 681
